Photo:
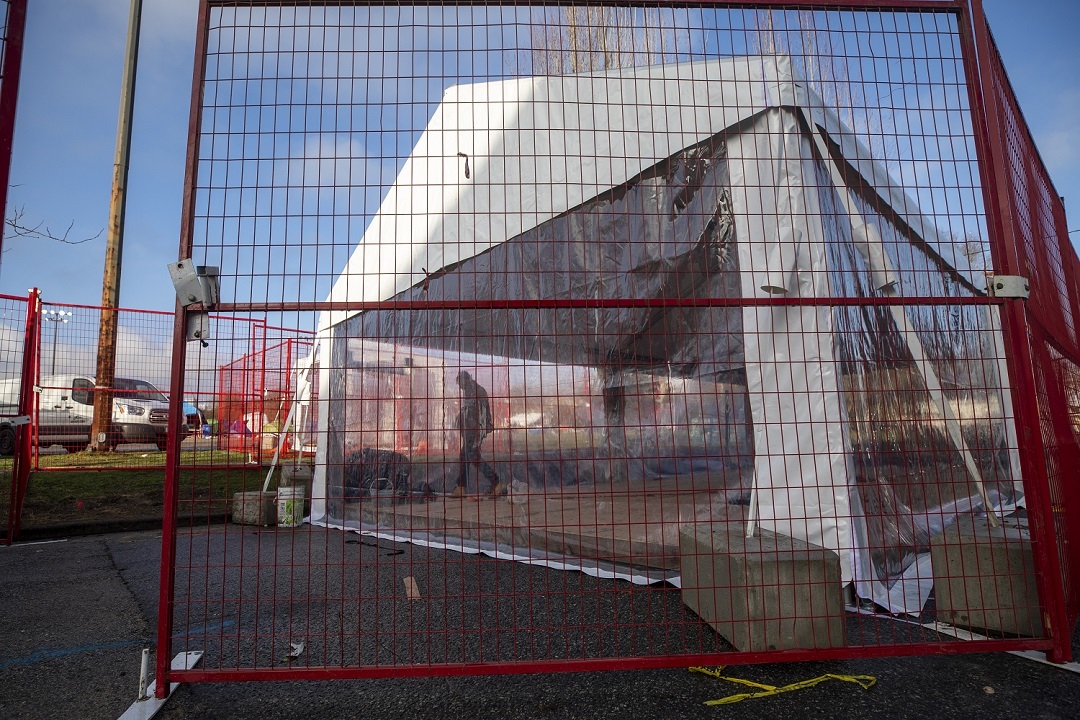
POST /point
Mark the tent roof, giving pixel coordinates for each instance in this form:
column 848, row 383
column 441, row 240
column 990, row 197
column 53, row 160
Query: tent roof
column 537, row 147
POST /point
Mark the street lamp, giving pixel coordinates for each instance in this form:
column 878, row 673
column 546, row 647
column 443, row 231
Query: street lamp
column 56, row 316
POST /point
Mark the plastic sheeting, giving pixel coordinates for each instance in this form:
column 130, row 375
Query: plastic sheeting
column 580, row 395
column 864, row 429
column 911, row 476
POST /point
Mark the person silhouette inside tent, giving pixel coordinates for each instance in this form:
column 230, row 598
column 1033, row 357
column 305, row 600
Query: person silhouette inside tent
column 474, row 423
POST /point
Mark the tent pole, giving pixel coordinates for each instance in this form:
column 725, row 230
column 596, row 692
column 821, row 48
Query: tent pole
column 288, row 424
column 871, row 248
column 751, row 513
column 945, row 407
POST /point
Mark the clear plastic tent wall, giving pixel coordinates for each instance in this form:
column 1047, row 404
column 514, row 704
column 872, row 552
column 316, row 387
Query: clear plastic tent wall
column 597, row 323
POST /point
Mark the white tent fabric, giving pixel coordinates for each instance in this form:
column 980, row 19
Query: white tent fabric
column 801, row 468
column 538, row 147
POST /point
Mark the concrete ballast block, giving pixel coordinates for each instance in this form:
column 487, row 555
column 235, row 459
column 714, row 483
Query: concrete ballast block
column 254, row 508
column 768, row 592
column 984, row 577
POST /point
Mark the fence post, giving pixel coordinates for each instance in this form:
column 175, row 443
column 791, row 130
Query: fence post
column 1004, row 247
column 35, row 412
column 287, row 394
column 9, row 94
column 262, row 393
column 179, row 363
column 20, row 470
column 247, row 379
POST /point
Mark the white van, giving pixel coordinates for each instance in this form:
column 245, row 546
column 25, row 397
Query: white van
column 66, row 412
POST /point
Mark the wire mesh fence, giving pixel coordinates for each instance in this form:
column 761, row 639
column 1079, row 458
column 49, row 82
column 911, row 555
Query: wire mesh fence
column 224, row 423
column 642, row 335
column 12, row 29
column 255, row 395
column 66, row 385
column 14, row 329
column 1036, row 245
column 47, row 389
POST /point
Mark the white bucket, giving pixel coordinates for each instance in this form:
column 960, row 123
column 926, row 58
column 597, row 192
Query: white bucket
column 290, row 506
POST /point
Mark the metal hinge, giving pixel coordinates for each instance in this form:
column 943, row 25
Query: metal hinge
column 19, row 420
column 196, row 285
column 1010, row 286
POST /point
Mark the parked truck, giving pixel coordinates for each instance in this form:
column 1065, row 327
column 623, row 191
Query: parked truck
column 66, row 413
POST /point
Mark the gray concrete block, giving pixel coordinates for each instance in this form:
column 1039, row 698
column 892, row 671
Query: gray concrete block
column 984, row 577
column 769, row 592
column 254, row 508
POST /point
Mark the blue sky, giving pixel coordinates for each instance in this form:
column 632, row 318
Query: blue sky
column 66, row 126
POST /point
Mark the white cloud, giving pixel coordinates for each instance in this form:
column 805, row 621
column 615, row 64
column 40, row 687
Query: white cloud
column 339, row 160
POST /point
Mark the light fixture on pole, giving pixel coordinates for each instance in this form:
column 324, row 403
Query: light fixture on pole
column 56, row 316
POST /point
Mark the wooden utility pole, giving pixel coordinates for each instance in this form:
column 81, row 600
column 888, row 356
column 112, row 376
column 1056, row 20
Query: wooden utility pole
column 102, row 436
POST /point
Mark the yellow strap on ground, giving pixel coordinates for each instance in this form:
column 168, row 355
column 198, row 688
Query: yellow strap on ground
column 717, row 674
column 864, row 681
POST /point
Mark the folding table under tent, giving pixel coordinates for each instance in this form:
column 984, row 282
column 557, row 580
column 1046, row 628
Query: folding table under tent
column 694, row 189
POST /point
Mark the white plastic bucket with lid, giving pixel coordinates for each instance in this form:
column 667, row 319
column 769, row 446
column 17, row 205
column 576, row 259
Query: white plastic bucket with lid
column 290, row 506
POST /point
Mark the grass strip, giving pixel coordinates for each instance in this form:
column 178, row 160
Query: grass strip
column 86, row 495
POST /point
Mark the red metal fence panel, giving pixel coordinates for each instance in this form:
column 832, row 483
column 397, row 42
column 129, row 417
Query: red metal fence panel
column 67, row 351
column 1033, row 216
column 642, row 336
column 15, row 327
column 13, row 24
column 52, row 387
column 66, row 383
column 255, row 395
column 12, row 29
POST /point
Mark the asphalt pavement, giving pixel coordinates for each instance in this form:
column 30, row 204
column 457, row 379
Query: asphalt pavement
column 77, row 613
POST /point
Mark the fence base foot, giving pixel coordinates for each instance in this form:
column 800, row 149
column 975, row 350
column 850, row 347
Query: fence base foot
column 147, row 707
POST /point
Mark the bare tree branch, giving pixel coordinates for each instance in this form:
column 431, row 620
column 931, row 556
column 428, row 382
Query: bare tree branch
column 18, row 227
column 579, row 39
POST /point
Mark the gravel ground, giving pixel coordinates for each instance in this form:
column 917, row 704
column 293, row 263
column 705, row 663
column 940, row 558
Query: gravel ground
column 77, row 614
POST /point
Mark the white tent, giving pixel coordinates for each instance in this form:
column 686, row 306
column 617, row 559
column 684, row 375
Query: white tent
column 500, row 159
